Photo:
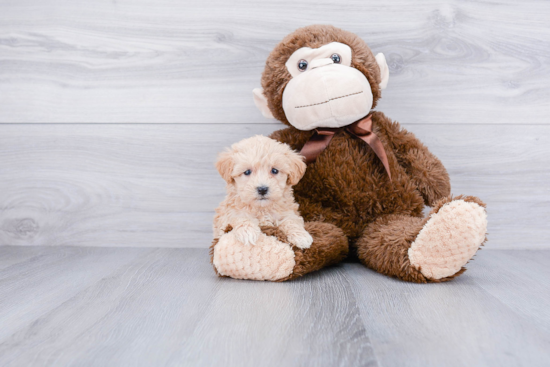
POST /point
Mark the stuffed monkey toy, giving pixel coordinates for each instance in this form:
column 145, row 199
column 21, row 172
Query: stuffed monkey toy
column 368, row 179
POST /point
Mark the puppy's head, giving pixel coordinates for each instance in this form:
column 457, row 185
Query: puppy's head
column 260, row 169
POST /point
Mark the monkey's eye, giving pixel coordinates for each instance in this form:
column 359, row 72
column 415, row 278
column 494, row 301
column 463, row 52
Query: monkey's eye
column 247, row 172
column 302, row 65
column 335, row 58
column 274, row 171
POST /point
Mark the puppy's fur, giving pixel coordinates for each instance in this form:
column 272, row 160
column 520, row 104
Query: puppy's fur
column 252, row 167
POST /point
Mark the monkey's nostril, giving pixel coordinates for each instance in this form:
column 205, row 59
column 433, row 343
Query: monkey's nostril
column 262, row 190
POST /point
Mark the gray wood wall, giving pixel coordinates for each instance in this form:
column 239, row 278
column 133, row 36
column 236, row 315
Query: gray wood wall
column 112, row 112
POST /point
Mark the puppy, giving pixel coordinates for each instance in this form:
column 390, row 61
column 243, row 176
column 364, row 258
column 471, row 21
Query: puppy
column 260, row 173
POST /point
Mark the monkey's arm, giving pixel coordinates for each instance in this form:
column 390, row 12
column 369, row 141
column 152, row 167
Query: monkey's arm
column 424, row 168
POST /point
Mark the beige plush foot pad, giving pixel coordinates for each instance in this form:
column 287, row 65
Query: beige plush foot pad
column 269, row 259
column 449, row 239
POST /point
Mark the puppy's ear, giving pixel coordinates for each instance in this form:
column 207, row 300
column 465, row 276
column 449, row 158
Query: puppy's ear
column 225, row 164
column 297, row 167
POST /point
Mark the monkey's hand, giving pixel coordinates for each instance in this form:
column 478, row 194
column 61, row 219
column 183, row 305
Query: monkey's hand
column 247, row 233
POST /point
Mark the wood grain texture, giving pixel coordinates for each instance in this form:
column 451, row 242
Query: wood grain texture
column 528, row 298
column 156, row 186
column 465, row 74
column 442, row 325
column 166, row 307
column 34, row 286
column 280, row 324
column 198, row 61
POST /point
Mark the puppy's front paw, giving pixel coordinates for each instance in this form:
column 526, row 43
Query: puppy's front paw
column 247, row 235
column 302, row 239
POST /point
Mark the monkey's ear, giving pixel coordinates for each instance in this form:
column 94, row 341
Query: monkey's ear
column 225, row 165
column 261, row 102
column 384, row 70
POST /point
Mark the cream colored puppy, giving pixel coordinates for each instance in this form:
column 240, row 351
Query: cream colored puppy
column 260, row 173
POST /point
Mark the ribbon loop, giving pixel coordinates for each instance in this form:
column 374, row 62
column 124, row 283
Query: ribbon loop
column 361, row 129
column 326, row 131
column 316, row 144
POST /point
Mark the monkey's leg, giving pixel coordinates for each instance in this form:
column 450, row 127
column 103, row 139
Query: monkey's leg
column 330, row 246
column 433, row 249
column 273, row 258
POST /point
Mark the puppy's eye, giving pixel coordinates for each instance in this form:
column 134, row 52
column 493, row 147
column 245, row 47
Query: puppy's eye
column 247, row 172
column 302, row 65
column 335, row 58
column 274, row 171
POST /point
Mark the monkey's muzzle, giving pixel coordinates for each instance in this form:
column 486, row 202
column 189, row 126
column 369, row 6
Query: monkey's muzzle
column 328, row 96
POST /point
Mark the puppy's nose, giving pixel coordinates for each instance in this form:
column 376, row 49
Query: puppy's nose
column 262, row 190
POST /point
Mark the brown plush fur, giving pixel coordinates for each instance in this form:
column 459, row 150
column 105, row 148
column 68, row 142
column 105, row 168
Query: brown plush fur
column 329, row 247
column 347, row 185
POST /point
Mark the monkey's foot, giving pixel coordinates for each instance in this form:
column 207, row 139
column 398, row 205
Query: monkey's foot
column 268, row 259
column 450, row 238
column 274, row 258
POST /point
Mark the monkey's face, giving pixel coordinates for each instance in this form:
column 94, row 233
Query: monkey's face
column 321, row 76
column 325, row 91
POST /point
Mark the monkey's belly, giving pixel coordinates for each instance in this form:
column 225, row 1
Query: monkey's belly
column 352, row 196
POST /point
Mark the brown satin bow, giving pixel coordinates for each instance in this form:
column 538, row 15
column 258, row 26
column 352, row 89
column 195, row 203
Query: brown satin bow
column 361, row 129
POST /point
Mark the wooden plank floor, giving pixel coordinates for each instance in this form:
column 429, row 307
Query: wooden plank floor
column 84, row 306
